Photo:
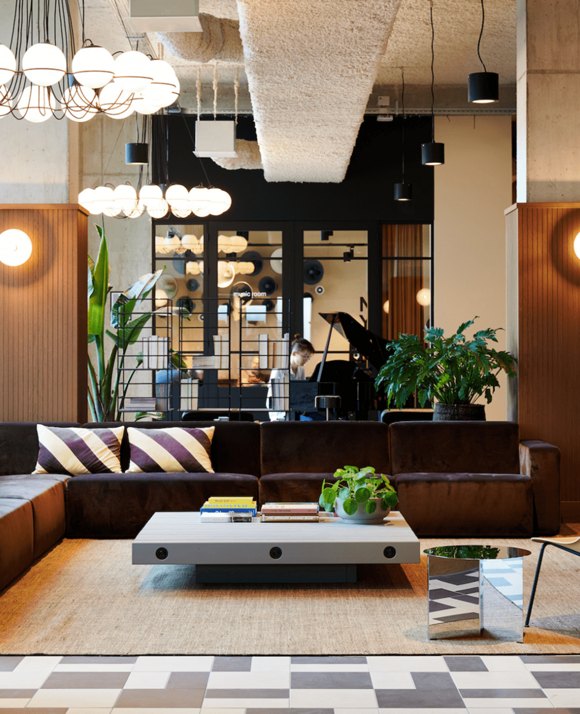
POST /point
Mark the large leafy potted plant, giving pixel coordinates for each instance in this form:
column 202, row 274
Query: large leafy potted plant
column 359, row 495
column 129, row 315
column 452, row 372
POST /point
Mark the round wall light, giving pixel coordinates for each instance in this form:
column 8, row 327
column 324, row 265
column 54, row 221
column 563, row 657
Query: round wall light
column 15, row 247
column 424, row 297
column 577, row 245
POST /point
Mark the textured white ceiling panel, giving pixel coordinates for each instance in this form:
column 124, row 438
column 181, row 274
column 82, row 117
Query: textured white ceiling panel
column 311, row 65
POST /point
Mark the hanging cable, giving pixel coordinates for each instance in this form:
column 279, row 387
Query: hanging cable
column 480, row 36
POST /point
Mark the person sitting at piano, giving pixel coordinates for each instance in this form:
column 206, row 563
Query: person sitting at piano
column 278, row 398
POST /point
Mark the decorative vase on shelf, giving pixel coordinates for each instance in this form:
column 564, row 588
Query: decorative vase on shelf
column 459, row 412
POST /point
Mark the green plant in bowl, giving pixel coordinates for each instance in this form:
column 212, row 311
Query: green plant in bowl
column 358, row 494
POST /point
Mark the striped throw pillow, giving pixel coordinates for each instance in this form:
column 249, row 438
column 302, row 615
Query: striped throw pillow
column 171, row 449
column 73, row 450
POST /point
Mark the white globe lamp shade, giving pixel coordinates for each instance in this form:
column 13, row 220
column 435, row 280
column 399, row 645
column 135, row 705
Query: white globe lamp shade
column 158, row 208
column 144, row 103
column 150, row 193
column 164, row 87
column 424, row 297
column 183, row 212
column 133, row 71
column 176, row 193
column 190, row 242
column 103, row 199
column 246, row 267
column 79, row 103
column 192, row 267
column 115, row 102
column 136, row 212
column 86, row 198
column 125, row 198
column 36, row 104
column 199, row 200
column 7, row 64
column 6, row 102
column 93, row 67
column 238, row 244
column 219, row 201
column 276, row 261
column 44, row 64
column 15, row 247
column 386, row 307
column 226, row 273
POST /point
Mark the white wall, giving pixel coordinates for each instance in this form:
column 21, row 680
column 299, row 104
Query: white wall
column 472, row 189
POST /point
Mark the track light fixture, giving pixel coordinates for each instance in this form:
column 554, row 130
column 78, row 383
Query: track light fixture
column 433, row 152
column 402, row 191
column 482, row 87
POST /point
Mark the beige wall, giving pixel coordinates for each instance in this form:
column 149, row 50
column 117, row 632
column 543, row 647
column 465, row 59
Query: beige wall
column 472, row 189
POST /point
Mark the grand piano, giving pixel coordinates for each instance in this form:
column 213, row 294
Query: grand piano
column 353, row 379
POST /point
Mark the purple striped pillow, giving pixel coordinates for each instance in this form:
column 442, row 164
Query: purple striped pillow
column 170, row 450
column 73, row 450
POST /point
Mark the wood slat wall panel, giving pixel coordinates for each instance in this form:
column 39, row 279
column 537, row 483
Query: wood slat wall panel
column 547, row 332
column 43, row 317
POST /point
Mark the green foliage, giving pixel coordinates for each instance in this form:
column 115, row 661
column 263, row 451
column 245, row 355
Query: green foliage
column 104, row 369
column 450, row 370
column 354, row 486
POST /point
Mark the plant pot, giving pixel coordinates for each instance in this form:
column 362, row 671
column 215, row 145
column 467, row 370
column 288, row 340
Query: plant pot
column 459, row 412
column 361, row 516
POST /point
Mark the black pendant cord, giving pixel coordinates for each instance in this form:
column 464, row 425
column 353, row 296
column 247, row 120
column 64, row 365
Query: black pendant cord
column 481, row 35
column 432, row 72
column 202, row 165
column 403, row 125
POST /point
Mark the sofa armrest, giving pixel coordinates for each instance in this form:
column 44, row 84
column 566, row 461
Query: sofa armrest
column 541, row 461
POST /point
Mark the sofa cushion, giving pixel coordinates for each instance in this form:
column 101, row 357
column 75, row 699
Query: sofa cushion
column 119, row 505
column 170, row 450
column 16, row 538
column 458, row 446
column 19, row 446
column 466, row 504
column 323, row 447
column 292, row 486
column 235, row 446
column 46, row 495
column 74, row 450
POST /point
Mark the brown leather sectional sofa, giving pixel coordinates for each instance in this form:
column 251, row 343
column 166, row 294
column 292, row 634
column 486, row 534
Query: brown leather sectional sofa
column 453, row 479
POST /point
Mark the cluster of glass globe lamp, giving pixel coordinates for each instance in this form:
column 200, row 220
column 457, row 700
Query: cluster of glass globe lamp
column 96, row 83
column 125, row 201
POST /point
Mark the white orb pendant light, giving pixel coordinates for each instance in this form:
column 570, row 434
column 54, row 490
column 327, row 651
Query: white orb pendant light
column 44, row 64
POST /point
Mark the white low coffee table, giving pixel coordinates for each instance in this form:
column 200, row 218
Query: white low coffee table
column 327, row 551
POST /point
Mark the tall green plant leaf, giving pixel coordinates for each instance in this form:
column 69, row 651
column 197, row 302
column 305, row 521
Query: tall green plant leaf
column 98, row 288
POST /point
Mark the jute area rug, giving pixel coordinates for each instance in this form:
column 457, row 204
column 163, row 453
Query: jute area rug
column 85, row 597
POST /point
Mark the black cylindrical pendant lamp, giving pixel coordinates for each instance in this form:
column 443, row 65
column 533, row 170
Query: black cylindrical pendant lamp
column 483, row 87
column 433, row 153
column 402, row 191
column 137, row 154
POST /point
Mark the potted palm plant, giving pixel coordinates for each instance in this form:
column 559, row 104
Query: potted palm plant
column 450, row 372
column 128, row 318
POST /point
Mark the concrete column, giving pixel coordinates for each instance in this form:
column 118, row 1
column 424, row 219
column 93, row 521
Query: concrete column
column 548, row 100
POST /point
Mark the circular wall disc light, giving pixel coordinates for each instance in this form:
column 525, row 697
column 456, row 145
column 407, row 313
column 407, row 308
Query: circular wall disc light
column 577, row 245
column 44, row 64
column 276, row 261
column 423, row 297
column 15, row 247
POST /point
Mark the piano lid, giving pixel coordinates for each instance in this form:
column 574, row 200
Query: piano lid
column 372, row 347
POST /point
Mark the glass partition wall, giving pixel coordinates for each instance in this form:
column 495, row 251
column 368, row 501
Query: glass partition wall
column 232, row 296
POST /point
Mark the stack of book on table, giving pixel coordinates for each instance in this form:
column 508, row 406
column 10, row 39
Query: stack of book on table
column 223, row 509
column 299, row 512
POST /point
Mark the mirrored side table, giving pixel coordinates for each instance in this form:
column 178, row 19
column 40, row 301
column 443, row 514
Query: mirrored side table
column 473, row 588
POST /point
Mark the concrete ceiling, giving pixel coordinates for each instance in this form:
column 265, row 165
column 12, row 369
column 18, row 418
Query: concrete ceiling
column 292, row 50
